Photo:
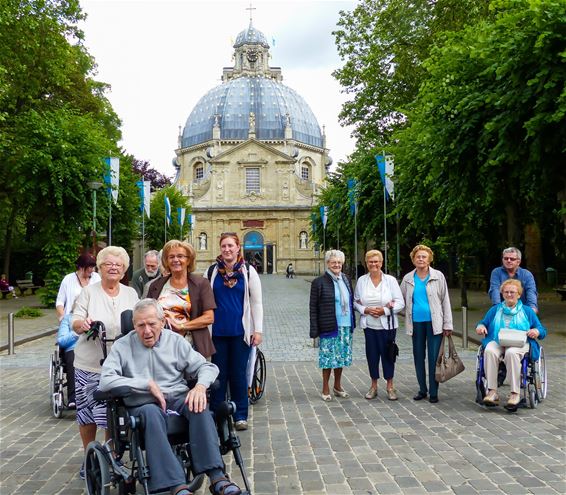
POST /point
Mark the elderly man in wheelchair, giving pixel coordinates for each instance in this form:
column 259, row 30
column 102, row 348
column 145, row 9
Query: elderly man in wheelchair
column 155, row 364
column 510, row 331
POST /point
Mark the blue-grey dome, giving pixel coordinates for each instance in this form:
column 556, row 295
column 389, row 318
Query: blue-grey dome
column 268, row 99
column 251, row 36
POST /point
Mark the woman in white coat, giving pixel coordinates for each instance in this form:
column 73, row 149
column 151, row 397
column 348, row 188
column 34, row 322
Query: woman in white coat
column 378, row 299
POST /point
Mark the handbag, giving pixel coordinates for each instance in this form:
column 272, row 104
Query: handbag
column 509, row 337
column 448, row 366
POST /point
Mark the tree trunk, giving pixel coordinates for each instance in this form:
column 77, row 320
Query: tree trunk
column 8, row 241
column 513, row 233
column 533, row 251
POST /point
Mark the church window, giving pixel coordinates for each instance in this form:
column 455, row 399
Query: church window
column 252, row 180
column 199, row 172
column 305, row 172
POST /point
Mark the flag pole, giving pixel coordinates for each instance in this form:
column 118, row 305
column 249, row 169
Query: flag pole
column 385, row 229
column 356, row 239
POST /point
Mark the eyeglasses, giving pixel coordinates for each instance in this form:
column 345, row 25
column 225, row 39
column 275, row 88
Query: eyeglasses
column 508, row 258
column 510, row 292
column 375, row 262
column 108, row 264
column 177, row 256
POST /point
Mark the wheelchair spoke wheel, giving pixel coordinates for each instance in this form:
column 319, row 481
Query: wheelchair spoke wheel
column 257, row 388
column 97, row 471
column 55, row 389
column 540, row 376
column 533, row 400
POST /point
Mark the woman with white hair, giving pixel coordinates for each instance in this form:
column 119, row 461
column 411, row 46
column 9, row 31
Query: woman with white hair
column 332, row 319
column 103, row 301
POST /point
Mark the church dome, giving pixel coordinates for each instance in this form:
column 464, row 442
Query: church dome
column 273, row 104
column 251, row 36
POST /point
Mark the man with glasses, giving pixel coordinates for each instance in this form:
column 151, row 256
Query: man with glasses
column 511, row 259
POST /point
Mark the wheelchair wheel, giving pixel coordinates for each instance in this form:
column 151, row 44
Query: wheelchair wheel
column 55, row 387
column 97, row 472
column 533, row 399
column 541, row 383
column 257, row 388
column 481, row 382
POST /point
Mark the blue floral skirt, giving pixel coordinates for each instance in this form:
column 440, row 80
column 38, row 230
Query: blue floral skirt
column 336, row 352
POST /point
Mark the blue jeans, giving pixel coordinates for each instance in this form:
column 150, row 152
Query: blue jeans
column 231, row 357
column 425, row 342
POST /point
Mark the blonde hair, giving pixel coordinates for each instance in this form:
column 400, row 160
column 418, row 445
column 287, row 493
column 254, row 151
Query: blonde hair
column 422, row 247
column 372, row 253
column 512, row 281
column 189, row 251
column 117, row 251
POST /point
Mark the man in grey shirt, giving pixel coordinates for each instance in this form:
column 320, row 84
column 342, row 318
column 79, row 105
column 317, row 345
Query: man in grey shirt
column 147, row 273
column 156, row 363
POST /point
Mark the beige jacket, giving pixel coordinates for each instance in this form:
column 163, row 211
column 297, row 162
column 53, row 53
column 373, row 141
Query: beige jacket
column 438, row 300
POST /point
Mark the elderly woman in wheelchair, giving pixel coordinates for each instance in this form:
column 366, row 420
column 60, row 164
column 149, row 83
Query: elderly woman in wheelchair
column 154, row 364
column 510, row 329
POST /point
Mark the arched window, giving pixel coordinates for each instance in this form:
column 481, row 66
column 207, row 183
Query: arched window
column 199, row 171
column 305, row 172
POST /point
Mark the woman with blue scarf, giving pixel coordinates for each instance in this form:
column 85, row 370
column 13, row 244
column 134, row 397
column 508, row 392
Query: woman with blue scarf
column 510, row 313
column 332, row 319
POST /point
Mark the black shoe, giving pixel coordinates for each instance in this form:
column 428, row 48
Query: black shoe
column 419, row 396
column 433, row 400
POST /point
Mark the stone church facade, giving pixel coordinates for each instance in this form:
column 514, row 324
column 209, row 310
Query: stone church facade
column 251, row 159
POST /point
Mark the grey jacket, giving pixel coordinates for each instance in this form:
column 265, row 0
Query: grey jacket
column 170, row 363
column 438, row 300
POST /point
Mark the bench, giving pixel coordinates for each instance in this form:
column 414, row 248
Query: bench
column 562, row 292
column 25, row 285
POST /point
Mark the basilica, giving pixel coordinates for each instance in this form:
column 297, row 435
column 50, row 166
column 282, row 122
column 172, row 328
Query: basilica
column 251, row 159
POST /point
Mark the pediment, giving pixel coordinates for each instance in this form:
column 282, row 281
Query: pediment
column 256, row 151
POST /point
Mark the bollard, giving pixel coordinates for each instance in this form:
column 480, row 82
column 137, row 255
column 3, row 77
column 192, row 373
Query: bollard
column 464, row 327
column 10, row 333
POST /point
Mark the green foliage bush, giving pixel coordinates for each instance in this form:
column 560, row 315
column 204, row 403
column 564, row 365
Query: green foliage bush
column 27, row 313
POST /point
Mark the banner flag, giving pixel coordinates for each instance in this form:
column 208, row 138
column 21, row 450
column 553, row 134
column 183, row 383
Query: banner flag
column 146, row 196
column 192, row 221
column 112, row 177
column 385, row 165
column 181, row 215
column 352, row 195
column 324, row 215
column 139, row 183
column 168, row 210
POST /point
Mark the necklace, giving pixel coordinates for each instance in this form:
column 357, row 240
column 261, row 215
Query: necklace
column 80, row 280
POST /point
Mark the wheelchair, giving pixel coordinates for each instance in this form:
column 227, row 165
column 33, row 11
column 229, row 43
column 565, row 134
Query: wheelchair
column 534, row 385
column 257, row 375
column 57, row 383
column 121, row 461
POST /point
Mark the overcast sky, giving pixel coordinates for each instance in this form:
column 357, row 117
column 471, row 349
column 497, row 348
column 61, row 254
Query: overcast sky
column 160, row 57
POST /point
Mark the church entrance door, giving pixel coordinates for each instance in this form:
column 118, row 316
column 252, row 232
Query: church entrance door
column 253, row 250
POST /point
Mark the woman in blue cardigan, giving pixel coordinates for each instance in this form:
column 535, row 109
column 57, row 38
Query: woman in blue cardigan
column 510, row 313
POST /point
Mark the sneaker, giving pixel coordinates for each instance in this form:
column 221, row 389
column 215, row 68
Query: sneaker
column 241, row 425
column 82, row 471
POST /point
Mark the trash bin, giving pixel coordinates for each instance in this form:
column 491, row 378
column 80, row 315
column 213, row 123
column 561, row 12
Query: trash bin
column 551, row 277
column 29, row 275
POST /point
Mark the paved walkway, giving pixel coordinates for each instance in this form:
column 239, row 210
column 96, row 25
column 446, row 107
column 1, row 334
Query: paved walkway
column 301, row 445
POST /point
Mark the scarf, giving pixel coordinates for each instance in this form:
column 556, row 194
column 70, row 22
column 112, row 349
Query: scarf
column 230, row 278
column 518, row 320
column 344, row 294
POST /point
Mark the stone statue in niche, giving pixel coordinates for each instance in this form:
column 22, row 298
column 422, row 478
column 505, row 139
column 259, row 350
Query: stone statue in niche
column 202, row 241
column 303, row 238
column 252, row 121
column 285, row 191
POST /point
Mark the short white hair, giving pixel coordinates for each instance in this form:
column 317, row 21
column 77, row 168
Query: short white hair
column 334, row 253
column 511, row 250
column 144, row 304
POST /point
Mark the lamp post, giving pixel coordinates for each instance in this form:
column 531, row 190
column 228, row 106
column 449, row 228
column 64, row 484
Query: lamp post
column 94, row 185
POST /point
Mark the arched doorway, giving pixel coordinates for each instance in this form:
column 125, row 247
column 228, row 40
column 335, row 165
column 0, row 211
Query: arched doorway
column 253, row 250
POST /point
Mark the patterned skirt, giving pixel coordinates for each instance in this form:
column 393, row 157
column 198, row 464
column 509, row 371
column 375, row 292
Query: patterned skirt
column 336, row 352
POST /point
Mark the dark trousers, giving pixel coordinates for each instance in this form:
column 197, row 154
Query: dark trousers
column 231, row 357
column 164, row 468
column 377, row 342
column 68, row 357
column 426, row 343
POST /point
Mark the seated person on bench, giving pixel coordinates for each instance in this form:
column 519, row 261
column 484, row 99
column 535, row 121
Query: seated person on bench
column 156, row 363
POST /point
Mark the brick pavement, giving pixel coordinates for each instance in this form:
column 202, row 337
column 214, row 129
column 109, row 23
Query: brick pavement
column 299, row 444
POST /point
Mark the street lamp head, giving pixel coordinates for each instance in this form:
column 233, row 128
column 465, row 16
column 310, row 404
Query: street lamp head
column 94, row 185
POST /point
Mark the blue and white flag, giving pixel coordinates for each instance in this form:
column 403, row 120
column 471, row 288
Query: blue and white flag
column 385, row 165
column 192, row 222
column 112, row 177
column 145, row 195
column 352, row 195
column 167, row 211
column 324, row 215
column 181, row 215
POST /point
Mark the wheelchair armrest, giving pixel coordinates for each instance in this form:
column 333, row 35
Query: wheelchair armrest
column 115, row 393
column 224, row 410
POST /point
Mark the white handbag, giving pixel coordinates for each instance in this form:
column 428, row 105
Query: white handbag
column 510, row 337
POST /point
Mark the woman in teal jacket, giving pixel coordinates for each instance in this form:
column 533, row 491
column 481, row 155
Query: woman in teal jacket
column 510, row 313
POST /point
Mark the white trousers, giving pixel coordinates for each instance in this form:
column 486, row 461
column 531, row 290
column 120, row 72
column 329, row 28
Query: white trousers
column 511, row 357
